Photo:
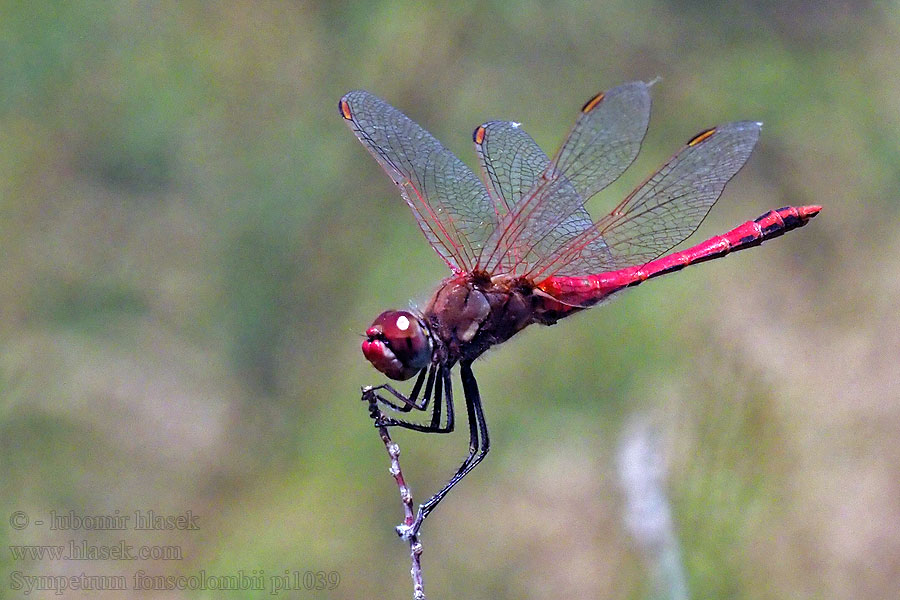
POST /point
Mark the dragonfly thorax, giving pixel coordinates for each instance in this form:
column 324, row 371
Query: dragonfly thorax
column 468, row 314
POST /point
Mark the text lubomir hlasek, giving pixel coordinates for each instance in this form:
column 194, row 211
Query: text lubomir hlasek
column 140, row 520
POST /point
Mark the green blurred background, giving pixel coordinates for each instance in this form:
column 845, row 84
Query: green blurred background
column 191, row 243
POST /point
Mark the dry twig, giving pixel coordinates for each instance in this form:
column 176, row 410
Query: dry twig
column 405, row 530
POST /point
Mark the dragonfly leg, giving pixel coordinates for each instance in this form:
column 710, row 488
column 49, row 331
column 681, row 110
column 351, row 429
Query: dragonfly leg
column 437, row 377
column 407, row 403
column 479, row 445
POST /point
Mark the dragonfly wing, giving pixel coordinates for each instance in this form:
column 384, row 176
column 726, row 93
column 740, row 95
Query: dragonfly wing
column 512, row 165
column 604, row 142
column 511, row 161
column 605, row 139
column 664, row 210
column 451, row 205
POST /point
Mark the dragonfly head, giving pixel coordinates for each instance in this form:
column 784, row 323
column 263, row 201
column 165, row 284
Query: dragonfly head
column 398, row 344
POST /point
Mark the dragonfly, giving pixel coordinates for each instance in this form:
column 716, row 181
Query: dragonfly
column 521, row 246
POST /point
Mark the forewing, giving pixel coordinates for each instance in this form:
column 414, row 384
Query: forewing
column 512, row 164
column 664, row 210
column 511, row 161
column 604, row 141
column 452, row 207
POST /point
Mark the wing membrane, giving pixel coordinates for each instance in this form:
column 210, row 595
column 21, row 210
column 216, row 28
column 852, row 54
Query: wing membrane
column 511, row 161
column 604, row 141
column 664, row 210
column 452, row 207
column 512, row 164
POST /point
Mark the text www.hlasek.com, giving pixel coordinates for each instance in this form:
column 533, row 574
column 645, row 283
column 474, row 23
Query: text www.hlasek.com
column 141, row 580
column 82, row 550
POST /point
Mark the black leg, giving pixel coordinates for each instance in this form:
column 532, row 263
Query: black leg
column 438, row 381
column 410, row 402
column 478, row 449
column 443, row 383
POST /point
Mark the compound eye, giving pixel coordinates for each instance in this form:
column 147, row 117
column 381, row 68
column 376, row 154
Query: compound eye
column 398, row 344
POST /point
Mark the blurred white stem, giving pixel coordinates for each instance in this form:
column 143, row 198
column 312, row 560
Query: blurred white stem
column 648, row 515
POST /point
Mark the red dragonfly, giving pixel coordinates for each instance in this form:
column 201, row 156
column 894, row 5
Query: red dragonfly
column 521, row 246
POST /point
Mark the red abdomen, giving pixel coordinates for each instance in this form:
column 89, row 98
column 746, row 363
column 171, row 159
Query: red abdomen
column 573, row 293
